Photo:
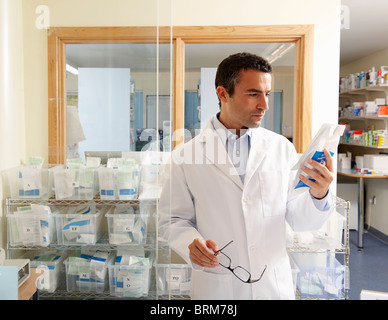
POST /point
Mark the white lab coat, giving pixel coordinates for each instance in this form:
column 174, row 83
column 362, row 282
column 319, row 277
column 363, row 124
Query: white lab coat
column 207, row 199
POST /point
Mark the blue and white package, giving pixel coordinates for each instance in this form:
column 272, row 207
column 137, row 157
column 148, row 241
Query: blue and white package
column 318, row 156
column 327, row 137
column 79, row 224
column 35, row 225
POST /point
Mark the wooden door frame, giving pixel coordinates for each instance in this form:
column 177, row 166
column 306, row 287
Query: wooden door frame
column 58, row 37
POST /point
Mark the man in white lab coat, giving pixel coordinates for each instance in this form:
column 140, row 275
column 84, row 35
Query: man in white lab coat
column 233, row 182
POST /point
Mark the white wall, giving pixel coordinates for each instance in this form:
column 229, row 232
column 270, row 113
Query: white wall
column 209, row 100
column 376, row 59
column 103, row 104
column 12, row 127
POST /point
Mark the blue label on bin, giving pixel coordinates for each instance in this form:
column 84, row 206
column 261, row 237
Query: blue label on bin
column 107, row 192
column 127, row 192
column 29, row 193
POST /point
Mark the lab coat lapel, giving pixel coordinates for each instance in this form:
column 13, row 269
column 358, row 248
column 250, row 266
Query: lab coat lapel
column 259, row 147
column 215, row 153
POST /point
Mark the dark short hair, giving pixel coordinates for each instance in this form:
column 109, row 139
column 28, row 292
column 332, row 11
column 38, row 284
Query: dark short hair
column 229, row 70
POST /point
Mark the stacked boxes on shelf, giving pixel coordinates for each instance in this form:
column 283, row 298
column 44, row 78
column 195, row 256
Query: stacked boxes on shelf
column 79, row 228
column 119, row 179
column 363, row 79
column 371, row 138
column 364, row 109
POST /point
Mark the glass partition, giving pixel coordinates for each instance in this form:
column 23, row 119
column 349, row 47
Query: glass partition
column 118, row 97
column 201, row 61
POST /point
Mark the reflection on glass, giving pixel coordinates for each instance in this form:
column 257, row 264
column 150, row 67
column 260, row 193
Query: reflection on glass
column 112, row 95
column 201, row 61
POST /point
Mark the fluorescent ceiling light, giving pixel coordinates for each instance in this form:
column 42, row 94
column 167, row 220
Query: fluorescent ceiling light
column 71, row 69
column 279, row 52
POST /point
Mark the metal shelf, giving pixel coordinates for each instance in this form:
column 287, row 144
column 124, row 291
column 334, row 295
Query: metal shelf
column 76, row 295
column 73, row 202
column 101, row 244
column 152, row 244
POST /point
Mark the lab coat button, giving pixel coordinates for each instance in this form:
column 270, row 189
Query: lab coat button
column 252, row 248
column 259, row 298
column 246, row 199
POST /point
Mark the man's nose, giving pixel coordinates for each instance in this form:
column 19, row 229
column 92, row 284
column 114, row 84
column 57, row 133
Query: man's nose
column 263, row 104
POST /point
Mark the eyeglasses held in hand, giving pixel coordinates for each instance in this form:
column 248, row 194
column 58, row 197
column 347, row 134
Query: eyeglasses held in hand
column 240, row 272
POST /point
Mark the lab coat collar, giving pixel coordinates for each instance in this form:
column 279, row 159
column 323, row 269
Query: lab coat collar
column 225, row 133
column 215, row 152
column 259, row 146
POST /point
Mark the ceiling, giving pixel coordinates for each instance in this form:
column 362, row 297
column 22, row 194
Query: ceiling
column 365, row 33
column 368, row 29
column 142, row 57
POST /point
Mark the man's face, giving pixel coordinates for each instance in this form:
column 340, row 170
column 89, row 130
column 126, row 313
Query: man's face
column 247, row 106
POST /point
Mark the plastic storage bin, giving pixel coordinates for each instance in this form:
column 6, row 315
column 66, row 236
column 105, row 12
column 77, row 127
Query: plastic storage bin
column 87, row 273
column 174, row 279
column 320, row 276
column 30, row 182
column 52, row 264
column 132, row 281
column 80, row 225
column 76, row 184
column 153, row 174
column 118, row 183
column 125, row 226
column 32, row 225
column 329, row 236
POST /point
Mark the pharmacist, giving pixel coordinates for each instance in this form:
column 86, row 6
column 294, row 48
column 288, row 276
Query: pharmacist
column 231, row 186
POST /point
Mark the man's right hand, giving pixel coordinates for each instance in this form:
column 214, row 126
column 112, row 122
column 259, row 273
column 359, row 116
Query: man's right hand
column 202, row 253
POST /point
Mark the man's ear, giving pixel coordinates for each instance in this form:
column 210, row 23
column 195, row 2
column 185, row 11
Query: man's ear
column 222, row 94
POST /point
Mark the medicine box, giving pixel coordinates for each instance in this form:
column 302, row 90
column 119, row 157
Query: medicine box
column 86, row 275
column 30, row 182
column 80, row 225
column 174, row 279
column 132, row 281
column 118, row 183
column 126, row 226
column 320, row 276
column 376, row 161
column 31, row 226
column 76, row 184
column 54, row 270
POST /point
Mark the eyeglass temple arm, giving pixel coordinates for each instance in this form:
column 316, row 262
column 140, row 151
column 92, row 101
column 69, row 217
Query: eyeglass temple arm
column 218, row 251
column 265, row 268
